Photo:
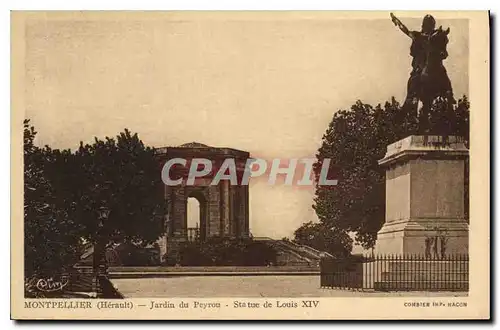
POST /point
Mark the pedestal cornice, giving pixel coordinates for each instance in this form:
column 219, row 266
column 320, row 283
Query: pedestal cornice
column 420, row 146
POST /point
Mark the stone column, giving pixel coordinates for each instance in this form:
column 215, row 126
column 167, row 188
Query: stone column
column 424, row 197
column 237, row 211
column 179, row 214
column 214, row 211
column 226, row 205
column 242, row 212
column 178, row 231
column 246, row 221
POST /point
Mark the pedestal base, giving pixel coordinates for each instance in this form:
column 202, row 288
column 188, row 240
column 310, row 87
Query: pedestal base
column 425, row 210
column 433, row 238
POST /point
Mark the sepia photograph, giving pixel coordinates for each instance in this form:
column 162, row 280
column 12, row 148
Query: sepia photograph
column 196, row 165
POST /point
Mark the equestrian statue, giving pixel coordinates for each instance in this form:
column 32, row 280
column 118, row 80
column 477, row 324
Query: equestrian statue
column 428, row 78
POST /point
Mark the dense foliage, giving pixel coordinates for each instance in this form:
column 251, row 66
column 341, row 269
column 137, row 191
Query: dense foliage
column 123, row 176
column 51, row 234
column 354, row 141
column 64, row 191
column 218, row 251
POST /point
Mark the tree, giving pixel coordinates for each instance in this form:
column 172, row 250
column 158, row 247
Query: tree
column 64, row 191
column 354, row 141
column 123, row 176
column 51, row 236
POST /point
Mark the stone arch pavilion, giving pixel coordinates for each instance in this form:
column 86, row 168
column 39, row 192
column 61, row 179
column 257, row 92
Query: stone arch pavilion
column 223, row 207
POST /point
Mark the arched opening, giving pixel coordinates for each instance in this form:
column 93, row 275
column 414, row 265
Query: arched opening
column 196, row 215
column 193, row 219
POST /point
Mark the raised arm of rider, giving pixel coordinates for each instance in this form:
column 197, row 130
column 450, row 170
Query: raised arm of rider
column 402, row 27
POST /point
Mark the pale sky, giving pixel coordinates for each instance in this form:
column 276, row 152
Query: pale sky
column 267, row 86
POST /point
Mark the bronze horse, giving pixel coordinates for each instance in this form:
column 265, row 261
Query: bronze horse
column 434, row 80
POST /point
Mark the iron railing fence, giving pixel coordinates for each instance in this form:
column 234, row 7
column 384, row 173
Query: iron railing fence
column 396, row 273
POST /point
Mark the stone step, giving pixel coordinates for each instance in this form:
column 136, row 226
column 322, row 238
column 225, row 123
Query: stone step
column 416, row 265
column 430, row 265
column 422, row 286
column 424, row 276
column 80, row 282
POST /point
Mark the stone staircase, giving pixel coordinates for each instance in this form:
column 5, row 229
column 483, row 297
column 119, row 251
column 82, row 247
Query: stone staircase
column 292, row 254
column 289, row 254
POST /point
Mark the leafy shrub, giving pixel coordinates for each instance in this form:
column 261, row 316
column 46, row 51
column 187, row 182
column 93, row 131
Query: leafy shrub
column 225, row 252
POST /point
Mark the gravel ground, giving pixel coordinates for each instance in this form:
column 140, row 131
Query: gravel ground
column 245, row 286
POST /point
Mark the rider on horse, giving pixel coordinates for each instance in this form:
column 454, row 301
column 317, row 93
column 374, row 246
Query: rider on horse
column 428, row 78
column 418, row 50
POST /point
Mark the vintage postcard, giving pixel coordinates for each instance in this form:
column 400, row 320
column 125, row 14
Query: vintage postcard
column 250, row 165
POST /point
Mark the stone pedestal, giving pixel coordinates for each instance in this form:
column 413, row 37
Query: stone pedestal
column 162, row 244
column 424, row 198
